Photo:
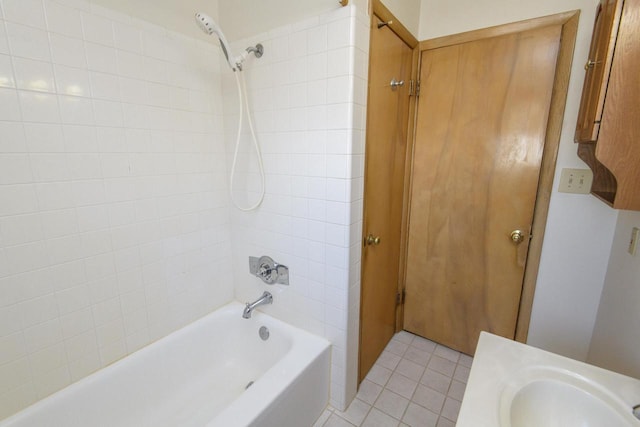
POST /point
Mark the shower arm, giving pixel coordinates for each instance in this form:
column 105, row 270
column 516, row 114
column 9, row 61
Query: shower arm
column 257, row 50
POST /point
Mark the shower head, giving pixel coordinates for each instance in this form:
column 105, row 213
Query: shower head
column 209, row 26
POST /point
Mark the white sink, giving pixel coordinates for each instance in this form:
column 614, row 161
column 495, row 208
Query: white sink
column 515, row 385
column 552, row 401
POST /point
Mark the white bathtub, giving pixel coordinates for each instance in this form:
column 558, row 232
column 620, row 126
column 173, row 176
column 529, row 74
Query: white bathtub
column 197, row 377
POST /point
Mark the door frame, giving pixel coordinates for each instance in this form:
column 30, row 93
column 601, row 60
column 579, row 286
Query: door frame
column 569, row 22
column 380, row 10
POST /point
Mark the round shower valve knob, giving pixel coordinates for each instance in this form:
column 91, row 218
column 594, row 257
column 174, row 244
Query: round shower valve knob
column 268, row 270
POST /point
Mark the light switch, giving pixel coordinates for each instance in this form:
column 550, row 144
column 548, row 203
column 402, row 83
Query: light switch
column 575, row 181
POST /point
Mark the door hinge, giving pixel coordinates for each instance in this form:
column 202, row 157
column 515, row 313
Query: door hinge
column 414, row 87
column 400, row 296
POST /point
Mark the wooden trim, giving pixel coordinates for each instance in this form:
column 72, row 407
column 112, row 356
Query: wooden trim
column 396, row 26
column 499, row 30
column 547, row 172
column 404, row 238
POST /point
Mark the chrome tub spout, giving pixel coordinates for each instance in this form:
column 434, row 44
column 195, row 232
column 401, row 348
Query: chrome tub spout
column 266, row 298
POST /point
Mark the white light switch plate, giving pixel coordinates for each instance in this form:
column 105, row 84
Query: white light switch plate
column 575, row 181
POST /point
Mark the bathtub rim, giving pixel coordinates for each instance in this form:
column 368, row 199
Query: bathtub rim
column 317, row 343
column 260, row 395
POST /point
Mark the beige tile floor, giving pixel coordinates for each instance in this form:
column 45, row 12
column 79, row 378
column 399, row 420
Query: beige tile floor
column 415, row 382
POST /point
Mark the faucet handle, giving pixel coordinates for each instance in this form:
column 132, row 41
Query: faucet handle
column 283, row 275
column 268, row 270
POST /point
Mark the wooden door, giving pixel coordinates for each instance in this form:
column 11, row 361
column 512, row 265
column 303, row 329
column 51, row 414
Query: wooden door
column 387, row 117
column 482, row 118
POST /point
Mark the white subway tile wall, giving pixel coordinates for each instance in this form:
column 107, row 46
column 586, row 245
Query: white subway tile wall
column 114, row 217
column 308, row 94
column 114, row 221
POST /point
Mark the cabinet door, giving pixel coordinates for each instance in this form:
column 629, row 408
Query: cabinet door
column 597, row 70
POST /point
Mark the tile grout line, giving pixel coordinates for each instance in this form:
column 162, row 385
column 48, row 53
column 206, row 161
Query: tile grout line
column 401, row 355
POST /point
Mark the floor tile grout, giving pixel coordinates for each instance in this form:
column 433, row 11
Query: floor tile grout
column 381, row 376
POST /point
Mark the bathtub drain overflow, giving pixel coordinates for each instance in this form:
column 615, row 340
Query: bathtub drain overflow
column 264, row 333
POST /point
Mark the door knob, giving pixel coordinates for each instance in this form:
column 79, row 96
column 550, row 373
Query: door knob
column 517, row 236
column 372, row 240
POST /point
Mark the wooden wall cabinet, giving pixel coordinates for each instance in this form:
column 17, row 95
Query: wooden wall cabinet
column 608, row 128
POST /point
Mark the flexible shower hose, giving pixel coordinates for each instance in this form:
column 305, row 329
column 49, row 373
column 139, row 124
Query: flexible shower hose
column 243, row 100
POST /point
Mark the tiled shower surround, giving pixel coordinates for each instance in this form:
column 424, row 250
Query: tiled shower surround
column 115, row 221
column 308, row 93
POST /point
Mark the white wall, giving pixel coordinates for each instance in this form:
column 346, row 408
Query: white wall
column 171, row 14
column 440, row 17
column 237, row 18
column 580, row 228
column 308, row 97
column 408, row 12
column 114, row 227
column 245, row 18
column 617, row 333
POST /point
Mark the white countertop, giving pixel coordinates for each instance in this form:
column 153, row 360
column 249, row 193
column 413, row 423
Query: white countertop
column 502, row 367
